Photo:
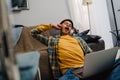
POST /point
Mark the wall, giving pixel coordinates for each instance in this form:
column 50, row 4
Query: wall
column 42, row 11
column 100, row 21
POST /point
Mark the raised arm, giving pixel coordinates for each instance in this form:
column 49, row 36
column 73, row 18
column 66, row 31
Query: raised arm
column 36, row 32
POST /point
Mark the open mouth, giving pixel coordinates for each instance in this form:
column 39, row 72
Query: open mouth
column 66, row 28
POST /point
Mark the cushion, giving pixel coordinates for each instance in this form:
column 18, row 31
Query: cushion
column 28, row 64
column 89, row 38
column 96, row 46
column 84, row 33
column 16, row 32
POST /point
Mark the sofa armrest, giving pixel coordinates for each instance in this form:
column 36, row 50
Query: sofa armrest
column 96, row 46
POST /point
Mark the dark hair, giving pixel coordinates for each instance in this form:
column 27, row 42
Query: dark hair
column 67, row 20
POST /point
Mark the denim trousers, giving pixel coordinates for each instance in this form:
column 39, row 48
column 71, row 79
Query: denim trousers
column 68, row 75
column 113, row 74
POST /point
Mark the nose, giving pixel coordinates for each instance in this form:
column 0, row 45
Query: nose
column 68, row 24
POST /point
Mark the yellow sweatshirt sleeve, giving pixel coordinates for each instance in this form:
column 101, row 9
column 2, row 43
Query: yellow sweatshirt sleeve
column 44, row 27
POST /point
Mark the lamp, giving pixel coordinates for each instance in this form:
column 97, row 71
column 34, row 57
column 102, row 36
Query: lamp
column 87, row 3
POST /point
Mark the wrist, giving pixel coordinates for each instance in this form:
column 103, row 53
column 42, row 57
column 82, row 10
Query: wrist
column 52, row 26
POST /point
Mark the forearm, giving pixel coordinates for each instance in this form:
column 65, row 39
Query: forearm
column 36, row 32
column 44, row 27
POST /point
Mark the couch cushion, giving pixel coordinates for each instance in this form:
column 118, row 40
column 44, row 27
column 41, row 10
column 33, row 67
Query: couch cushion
column 96, row 46
column 28, row 64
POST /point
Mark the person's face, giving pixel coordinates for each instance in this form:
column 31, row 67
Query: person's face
column 66, row 27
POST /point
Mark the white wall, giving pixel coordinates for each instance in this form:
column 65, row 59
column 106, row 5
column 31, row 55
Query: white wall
column 42, row 11
column 100, row 21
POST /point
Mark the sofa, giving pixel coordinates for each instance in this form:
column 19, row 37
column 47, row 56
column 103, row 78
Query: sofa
column 27, row 43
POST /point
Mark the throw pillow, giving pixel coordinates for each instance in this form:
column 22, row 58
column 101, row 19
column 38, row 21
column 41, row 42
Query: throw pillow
column 91, row 38
column 84, row 33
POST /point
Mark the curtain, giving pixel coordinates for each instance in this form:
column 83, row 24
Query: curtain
column 79, row 14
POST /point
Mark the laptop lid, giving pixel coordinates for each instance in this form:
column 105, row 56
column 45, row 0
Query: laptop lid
column 99, row 61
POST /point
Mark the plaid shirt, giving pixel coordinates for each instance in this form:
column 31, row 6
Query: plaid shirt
column 52, row 43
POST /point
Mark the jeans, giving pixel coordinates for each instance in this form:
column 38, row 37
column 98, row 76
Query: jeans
column 69, row 76
column 113, row 74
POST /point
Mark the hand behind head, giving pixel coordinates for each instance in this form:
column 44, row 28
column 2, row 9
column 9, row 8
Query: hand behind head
column 57, row 26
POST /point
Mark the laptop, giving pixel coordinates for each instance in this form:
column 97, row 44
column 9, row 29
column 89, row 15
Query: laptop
column 97, row 62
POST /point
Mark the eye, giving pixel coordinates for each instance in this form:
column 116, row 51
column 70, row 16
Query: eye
column 66, row 23
column 70, row 25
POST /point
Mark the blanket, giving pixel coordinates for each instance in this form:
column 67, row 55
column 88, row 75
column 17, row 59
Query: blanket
column 27, row 43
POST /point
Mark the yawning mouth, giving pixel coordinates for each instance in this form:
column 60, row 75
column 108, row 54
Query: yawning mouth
column 66, row 28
